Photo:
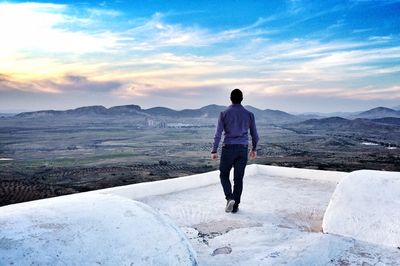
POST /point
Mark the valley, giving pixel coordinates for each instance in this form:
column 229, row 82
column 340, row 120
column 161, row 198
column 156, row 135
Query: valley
column 46, row 155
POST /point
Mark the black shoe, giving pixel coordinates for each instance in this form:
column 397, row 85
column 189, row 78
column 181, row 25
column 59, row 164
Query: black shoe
column 229, row 205
column 235, row 208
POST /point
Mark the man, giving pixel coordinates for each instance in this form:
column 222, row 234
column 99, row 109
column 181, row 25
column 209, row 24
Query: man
column 235, row 121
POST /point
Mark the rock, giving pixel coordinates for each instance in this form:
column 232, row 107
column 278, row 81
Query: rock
column 223, row 250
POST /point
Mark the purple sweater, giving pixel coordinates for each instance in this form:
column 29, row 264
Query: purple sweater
column 235, row 121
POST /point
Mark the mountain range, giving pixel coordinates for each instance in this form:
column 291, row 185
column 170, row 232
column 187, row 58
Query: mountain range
column 381, row 117
column 211, row 111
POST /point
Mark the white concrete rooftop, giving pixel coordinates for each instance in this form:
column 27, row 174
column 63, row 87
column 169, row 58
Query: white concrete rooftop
column 279, row 220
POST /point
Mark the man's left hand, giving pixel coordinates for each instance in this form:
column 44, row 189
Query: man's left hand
column 253, row 155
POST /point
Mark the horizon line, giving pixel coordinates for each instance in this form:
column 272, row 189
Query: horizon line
column 19, row 111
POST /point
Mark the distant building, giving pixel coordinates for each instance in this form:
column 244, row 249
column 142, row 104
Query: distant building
column 154, row 123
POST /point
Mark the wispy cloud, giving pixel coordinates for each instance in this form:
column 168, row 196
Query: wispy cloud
column 66, row 85
column 155, row 33
column 369, row 93
column 37, row 86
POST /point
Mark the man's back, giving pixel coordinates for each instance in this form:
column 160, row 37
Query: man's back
column 235, row 121
column 236, row 124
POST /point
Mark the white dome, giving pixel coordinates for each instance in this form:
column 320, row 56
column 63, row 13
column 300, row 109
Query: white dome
column 90, row 229
column 365, row 206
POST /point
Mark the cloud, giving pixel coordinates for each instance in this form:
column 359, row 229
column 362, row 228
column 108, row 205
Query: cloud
column 77, row 83
column 380, row 38
column 371, row 93
column 134, row 89
column 8, row 83
column 44, row 28
column 63, row 85
column 96, row 12
column 155, row 33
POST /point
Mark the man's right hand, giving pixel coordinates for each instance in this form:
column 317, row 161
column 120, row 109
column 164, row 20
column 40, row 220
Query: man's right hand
column 214, row 156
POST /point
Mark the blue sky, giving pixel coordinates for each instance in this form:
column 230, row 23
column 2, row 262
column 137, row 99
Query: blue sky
column 297, row 56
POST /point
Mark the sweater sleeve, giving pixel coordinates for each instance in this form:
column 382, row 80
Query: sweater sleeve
column 253, row 132
column 218, row 133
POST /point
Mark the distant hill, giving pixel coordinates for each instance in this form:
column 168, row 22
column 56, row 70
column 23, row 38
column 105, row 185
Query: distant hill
column 378, row 112
column 330, row 123
column 335, row 124
column 125, row 110
column 279, row 117
column 257, row 112
column 273, row 116
column 42, row 113
column 7, row 114
column 388, row 120
column 88, row 110
column 326, row 122
column 307, row 116
column 343, row 114
column 163, row 111
column 212, row 110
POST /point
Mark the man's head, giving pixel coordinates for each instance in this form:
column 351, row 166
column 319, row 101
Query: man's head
column 236, row 96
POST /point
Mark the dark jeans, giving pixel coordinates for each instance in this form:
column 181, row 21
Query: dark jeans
column 233, row 155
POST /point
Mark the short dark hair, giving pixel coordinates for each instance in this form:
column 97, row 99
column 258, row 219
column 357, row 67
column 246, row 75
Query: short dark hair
column 236, row 96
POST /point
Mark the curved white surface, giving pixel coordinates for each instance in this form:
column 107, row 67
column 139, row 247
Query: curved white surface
column 90, row 229
column 366, row 206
